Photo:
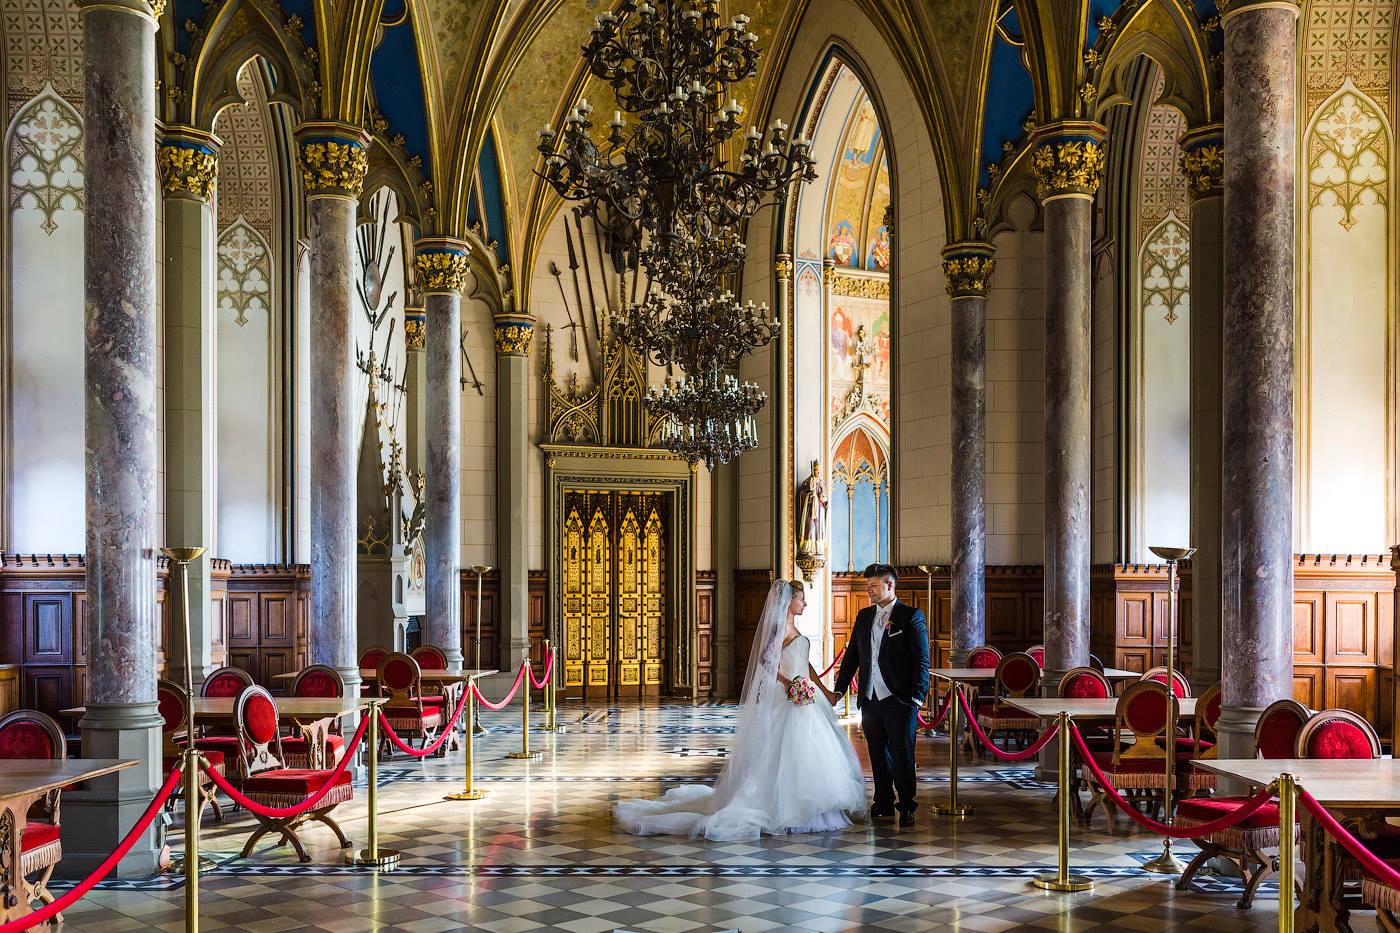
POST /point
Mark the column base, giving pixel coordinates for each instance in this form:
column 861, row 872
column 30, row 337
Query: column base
column 957, row 657
column 1235, row 731
column 98, row 817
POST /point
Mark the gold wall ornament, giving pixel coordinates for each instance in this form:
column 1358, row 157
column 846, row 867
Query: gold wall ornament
column 415, row 329
column 853, row 285
column 783, row 268
column 1068, row 167
column 1204, row 168
column 514, row 337
column 187, row 167
column 968, row 267
column 334, row 160
column 441, row 269
column 828, row 272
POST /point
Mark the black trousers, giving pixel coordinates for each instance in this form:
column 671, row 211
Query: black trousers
column 889, row 726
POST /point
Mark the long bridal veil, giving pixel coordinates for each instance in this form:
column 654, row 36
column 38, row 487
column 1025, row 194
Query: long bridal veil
column 739, row 804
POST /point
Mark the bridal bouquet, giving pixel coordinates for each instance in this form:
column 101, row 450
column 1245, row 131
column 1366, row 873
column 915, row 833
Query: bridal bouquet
column 801, row 692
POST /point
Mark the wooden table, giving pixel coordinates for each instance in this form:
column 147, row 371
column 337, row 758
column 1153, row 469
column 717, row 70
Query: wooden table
column 312, row 715
column 369, row 675
column 1083, row 709
column 22, row 782
column 1352, row 790
column 966, row 675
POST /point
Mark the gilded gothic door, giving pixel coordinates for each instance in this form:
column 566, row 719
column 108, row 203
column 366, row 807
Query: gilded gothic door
column 614, row 592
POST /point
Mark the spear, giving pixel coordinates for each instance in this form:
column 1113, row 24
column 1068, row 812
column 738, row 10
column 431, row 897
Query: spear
column 573, row 328
column 588, row 273
column 466, row 358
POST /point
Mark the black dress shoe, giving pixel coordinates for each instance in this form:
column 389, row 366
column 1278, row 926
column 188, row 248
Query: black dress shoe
column 881, row 813
column 906, row 818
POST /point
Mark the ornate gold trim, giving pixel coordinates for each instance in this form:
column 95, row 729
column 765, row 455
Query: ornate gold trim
column 334, row 159
column 782, row 269
column 968, row 267
column 1069, row 159
column 828, row 272
column 1204, row 168
column 189, row 167
column 441, row 269
column 849, row 285
column 513, row 338
column 415, row 329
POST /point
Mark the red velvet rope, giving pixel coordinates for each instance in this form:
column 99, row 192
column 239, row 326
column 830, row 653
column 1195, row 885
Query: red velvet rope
column 1370, row 862
column 547, row 667
column 1023, row 755
column 424, row 752
column 835, row 661
column 49, row 911
column 926, row 724
column 509, row 696
column 283, row 813
column 1243, row 812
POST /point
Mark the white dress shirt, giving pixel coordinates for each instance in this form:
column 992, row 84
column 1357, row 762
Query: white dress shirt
column 878, row 690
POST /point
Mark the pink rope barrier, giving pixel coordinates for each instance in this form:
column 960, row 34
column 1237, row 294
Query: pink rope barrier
column 835, row 661
column 938, row 721
column 547, row 667
column 509, row 696
column 428, row 750
column 1370, row 862
column 1001, row 755
column 1243, row 812
column 283, row 813
column 49, row 911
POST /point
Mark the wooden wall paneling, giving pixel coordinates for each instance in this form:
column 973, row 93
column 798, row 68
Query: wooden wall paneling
column 1350, row 628
column 1308, row 628
column 48, row 626
column 704, row 633
column 1308, row 685
column 9, row 688
column 1352, row 688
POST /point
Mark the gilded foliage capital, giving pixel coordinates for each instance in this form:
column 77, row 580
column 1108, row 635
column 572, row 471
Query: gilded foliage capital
column 334, row 159
column 513, row 336
column 187, row 166
column 828, row 272
column 441, row 265
column 1203, row 162
column 968, row 267
column 1069, row 161
column 783, row 267
column 415, row 329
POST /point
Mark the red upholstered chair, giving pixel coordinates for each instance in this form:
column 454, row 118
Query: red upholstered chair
column 29, row 734
column 1137, row 770
column 270, row 783
column 1016, row 676
column 1338, row 734
column 1244, row 844
column 225, row 682
column 1085, row 683
column 174, row 704
column 983, row 656
column 1180, row 684
column 432, row 658
column 1037, row 652
column 1382, row 898
column 369, row 661
column 400, row 678
column 318, row 680
column 1203, row 739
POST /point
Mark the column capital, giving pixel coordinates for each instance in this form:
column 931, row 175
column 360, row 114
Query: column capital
column 1068, row 159
column 828, row 272
column 783, row 267
column 967, row 266
column 415, row 329
column 441, row 264
column 334, row 159
column 188, row 162
column 1229, row 8
column 1203, row 160
column 146, row 9
column 514, row 334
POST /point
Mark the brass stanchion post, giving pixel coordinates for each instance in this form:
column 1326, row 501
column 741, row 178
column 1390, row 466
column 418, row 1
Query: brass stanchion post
column 1167, row 863
column 468, row 792
column 480, row 570
column 193, row 804
column 525, row 754
column 952, row 808
column 1062, row 880
column 1287, row 798
column 551, row 691
column 373, row 856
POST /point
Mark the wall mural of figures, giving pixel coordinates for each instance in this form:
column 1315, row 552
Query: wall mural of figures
column 859, row 357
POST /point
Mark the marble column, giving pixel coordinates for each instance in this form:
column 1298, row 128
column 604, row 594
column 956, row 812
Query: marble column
column 442, row 272
column 967, row 267
column 415, row 328
column 1257, row 388
column 1203, row 163
column 122, row 457
column 1068, row 163
column 333, row 166
column 188, row 164
column 514, row 335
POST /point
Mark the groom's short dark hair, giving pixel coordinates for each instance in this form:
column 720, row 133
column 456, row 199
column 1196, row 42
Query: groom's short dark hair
column 882, row 570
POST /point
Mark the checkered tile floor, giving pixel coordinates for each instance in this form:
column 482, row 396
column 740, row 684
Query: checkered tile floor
column 541, row 853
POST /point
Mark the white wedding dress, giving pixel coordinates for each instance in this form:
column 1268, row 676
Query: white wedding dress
column 793, row 771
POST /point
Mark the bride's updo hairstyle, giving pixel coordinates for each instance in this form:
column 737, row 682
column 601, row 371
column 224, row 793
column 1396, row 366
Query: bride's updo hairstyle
column 796, row 588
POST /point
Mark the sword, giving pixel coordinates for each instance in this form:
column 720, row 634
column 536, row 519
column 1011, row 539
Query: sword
column 573, row 331
column 475, row 382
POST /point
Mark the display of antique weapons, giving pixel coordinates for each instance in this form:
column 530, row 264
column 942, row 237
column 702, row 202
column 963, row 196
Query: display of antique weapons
column 555, row 271
column 466, row 358
column 588, row 275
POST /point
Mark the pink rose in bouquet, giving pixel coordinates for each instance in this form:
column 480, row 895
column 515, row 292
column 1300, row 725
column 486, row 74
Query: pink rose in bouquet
column 801, row 692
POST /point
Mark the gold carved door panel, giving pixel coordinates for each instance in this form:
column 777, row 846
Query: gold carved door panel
column 614, row 592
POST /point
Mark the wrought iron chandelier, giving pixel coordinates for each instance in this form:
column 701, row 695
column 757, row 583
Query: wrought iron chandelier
column 668, row 197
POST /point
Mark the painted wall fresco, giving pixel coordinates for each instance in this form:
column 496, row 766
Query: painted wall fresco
column 860, row 356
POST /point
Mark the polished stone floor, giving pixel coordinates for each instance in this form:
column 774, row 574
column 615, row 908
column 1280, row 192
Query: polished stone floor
column 541, row 853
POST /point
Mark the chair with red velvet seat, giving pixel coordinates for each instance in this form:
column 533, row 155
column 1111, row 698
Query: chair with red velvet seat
column 1244, row 844
column 1337, row 734
column 174, row 704
column 29, row 734
column 1136, row 770
column 318, row 680
column 983, row 656
column 1201, row 744
column 432, row 658
column 369, row 661
column 401, row 679
column 225, row 682
column 270, row 783
column 1037, row 652
column 1016, row 676
column 1085, row 683
column 1179, row 682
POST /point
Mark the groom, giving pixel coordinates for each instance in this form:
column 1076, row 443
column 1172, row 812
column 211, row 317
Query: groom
column 892, row 689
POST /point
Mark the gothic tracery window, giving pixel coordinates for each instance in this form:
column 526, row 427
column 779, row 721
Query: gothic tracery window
column 46, row 158
column 245, row 272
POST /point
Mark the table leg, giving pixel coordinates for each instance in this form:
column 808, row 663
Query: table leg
column 13, row 813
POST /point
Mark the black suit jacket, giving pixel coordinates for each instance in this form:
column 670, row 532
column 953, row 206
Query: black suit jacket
column 903, row 655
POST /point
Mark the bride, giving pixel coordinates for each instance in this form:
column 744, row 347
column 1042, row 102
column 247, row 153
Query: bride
column 792, row 769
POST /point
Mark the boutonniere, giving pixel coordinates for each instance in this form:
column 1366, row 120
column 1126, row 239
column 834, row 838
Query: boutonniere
column 888, row 623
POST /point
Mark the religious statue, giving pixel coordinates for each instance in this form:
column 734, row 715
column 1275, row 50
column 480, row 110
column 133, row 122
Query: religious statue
column 811, row 541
